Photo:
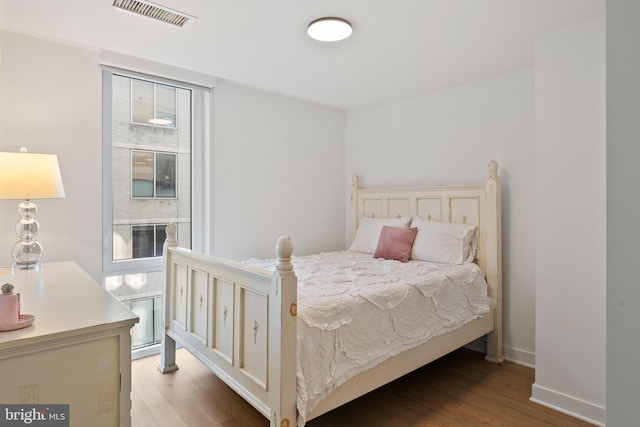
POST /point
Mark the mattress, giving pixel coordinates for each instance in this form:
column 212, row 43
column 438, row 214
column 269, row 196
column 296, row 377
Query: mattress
column 356, row 311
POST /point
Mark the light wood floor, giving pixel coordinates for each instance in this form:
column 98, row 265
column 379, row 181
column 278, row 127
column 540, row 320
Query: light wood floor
column 460, row 389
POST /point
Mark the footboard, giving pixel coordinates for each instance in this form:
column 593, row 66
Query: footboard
column 238, row 320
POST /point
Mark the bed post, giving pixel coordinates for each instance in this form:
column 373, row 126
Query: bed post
column 355, row 186
column 494, row 260
column 283, row 330
column 168, row 345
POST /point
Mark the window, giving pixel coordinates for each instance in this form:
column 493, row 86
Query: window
column 147, row 186
column 153, row 104
column 149, row 329
column 153, row 175
column 147, row 240
column 156, row 159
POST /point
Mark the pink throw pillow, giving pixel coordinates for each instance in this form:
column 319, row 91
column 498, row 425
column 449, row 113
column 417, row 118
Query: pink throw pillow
column 395, row 243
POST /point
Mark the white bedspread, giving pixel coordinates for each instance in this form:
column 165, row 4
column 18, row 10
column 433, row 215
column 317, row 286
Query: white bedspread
column 355, row 311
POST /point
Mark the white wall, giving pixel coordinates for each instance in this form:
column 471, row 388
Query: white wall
column 449, row 136
column 623, row 212
column 279, row 166
column 570, row 207
column 50, row 102
column 279, row 162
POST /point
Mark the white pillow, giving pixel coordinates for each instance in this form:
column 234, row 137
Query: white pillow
column 444, row 242
column 369, row 230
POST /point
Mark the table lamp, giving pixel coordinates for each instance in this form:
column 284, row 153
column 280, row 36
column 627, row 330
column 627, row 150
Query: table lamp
column 27, row 176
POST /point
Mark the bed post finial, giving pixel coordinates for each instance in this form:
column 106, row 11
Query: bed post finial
column 284, row 249
column 355, row 184
column 493, row 169
column 171, row 231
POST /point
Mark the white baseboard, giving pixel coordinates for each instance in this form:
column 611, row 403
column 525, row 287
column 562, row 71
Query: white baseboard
column 586, row 411
column 512, row 354
column 521, row 357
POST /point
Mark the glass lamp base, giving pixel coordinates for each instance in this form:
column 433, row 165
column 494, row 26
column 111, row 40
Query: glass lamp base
column 27, row 253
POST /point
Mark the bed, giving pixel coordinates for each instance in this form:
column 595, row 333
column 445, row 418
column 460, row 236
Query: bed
column 241, row 319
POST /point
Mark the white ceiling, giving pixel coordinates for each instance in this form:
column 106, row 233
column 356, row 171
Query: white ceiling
column 398, row 48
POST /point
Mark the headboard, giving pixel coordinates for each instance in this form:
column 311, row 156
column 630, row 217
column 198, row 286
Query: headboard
column 478, row 205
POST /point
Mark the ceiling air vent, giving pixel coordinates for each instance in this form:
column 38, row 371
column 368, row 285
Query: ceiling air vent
column 155, row 11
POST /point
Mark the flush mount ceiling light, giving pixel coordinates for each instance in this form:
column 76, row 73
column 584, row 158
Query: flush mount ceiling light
column 329, row 29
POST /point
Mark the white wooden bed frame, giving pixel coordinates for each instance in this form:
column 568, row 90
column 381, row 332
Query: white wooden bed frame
column 240, row 321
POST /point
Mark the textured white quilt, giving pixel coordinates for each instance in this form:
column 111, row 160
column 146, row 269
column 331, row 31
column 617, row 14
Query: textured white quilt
column 355, row 311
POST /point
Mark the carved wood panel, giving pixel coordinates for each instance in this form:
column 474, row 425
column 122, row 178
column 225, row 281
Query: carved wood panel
column 180, row 295
column 399, row 207
column 372, row 208
column 254, row 336
column 429, row 208
column 464, row 210
column 223, row 318
column 199, row 305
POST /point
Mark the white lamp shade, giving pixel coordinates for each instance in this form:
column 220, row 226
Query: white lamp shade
column 26, row 176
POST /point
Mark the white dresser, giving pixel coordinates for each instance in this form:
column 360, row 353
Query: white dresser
column 78, row 350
